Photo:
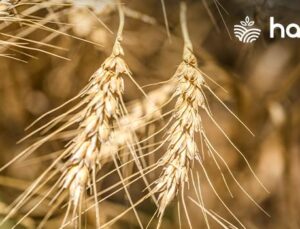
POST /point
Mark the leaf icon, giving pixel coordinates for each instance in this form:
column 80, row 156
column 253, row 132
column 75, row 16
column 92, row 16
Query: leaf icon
column 247, row 20
column 251, row 23
column 243, row 23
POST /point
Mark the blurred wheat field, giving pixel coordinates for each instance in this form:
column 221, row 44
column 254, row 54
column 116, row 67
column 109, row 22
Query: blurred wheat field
column 159, row 104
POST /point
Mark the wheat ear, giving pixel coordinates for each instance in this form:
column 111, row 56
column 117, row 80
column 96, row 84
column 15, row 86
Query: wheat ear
column 182, row 150
column 104, row 109
column 101, row 107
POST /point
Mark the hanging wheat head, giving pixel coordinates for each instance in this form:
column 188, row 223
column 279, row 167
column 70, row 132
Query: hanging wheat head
column 103, row 109
column 98, row 114
column 182, row 151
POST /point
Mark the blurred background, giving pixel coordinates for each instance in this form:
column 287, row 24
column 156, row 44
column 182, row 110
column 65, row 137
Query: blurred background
column 262, row 80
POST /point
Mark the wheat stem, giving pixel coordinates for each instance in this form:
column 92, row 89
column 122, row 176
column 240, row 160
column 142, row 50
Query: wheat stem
column 184, row 29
